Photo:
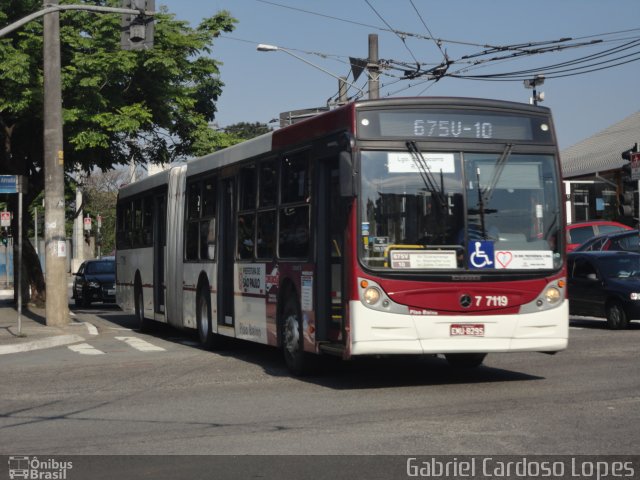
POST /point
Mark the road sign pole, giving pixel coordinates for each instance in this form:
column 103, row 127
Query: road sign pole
column 19, row 275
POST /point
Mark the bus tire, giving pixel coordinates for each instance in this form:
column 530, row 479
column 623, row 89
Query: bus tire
column 616, row 316
column 465, row 360
column 144, row 325
column 206, row 337
column 292, row 339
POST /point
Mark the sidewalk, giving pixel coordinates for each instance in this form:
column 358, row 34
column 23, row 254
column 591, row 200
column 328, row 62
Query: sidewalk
column 36, row 334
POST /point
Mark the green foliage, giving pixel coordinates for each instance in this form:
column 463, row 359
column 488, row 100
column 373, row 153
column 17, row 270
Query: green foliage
column 151, row 105
column 246, row 131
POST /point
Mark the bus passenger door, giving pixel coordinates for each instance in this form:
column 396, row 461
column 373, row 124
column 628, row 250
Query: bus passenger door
column 226, row 249
column 329, row 225
column 159, row 246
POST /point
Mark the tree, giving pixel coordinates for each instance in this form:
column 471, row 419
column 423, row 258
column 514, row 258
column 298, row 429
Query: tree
column 149, row 106
column 246, row 131
column 100, row 192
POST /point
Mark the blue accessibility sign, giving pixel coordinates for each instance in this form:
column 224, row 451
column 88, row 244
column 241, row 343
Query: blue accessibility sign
column 481, row 254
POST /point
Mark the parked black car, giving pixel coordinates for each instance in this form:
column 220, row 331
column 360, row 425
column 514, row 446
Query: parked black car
column 605, row 284
column 628, row 241
column 95, row 281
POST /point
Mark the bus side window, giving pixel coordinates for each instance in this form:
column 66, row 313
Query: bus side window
column 192, row 231
column 246, row 228
column 266, row 217
column 266, row 234
column 137, row 223
column 293, row 217
column 208, row 222
column 294, row 232
column 147, row 221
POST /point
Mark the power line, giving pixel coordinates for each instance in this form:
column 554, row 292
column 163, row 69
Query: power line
column 428, row 30
column 402, row 38
column 488, row 57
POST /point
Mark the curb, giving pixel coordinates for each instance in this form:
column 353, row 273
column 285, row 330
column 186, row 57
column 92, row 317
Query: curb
column 50, row 342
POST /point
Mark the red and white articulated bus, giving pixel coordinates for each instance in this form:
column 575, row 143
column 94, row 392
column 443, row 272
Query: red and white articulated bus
column 391, row 226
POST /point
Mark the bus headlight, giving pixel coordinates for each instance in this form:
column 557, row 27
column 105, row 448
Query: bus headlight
column 635, row 296
column 552, row 295
column 371, row 295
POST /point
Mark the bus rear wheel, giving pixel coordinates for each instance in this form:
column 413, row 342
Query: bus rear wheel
column 144, row 324
column 207, row 338
column 465, row 360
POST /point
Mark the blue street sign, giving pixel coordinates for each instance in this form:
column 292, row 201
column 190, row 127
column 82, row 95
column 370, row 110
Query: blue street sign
column 8, row 183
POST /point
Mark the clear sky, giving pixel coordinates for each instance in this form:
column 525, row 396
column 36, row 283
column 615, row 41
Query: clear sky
column 260, row 85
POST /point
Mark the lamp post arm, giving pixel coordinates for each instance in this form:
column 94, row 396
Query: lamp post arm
column 273, row 48
column 57, row 8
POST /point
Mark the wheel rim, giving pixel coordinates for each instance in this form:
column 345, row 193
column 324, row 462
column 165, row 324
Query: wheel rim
column 291, row 335
column 615, row 315
column 204, row 318
column 139, row 310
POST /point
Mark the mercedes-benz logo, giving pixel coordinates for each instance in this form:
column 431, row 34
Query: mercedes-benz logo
column 465, row 301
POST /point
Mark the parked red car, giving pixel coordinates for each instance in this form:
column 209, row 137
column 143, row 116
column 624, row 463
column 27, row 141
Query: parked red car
column 578, row 233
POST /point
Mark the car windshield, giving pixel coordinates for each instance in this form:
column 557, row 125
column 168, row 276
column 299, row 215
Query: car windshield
column 620, row 267
column 459, row 211
column 100, row 267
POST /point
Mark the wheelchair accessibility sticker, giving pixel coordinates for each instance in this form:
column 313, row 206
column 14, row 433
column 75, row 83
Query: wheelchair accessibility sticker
column 481, row 255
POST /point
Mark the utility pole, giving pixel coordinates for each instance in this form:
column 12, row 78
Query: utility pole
column 373, row 67
column 57, row 305
column 342, row 91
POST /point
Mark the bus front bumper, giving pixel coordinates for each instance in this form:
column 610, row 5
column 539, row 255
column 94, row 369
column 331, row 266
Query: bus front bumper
column 381, row 333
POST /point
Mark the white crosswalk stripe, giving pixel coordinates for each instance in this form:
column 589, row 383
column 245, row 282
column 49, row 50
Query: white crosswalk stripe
column 85, row 349
column 139, row 344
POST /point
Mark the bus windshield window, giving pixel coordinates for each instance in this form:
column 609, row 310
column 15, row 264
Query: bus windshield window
column 459, row 211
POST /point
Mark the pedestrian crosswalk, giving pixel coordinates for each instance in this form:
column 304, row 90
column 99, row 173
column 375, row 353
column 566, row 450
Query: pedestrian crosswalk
column 139, row 344
column 135, row 343
column 85, row 349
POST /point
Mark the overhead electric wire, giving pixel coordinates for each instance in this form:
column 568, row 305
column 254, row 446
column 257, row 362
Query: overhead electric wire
column 402, row 38
column 376, row 27
column 428, row 30
column 555, row 67
column 485, row 58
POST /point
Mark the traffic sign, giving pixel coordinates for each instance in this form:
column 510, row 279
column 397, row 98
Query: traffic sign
column 87, row 223
column 5, row 219
column 8, row 183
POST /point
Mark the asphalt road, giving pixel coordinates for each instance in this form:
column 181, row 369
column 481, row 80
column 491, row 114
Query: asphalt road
column 124, row 392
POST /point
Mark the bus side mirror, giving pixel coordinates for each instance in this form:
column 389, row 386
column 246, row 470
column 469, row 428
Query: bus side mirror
column 348, row 185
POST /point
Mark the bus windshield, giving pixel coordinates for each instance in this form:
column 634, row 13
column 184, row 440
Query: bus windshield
column 436, row 211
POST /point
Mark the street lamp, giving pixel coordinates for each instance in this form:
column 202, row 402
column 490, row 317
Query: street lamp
column 272, row 48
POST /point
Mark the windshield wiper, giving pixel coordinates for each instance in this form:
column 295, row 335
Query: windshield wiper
column 497, row 173
column 427, row 175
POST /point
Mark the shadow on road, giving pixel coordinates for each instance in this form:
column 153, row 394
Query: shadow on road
column 331, row 372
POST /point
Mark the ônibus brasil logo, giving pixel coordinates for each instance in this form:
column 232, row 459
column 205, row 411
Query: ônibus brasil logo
column 33, row 468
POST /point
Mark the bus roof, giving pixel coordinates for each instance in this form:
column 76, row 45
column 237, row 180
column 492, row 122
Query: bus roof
column 333, row 121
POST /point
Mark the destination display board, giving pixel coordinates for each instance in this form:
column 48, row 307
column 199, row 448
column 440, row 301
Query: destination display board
column 440, row 124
